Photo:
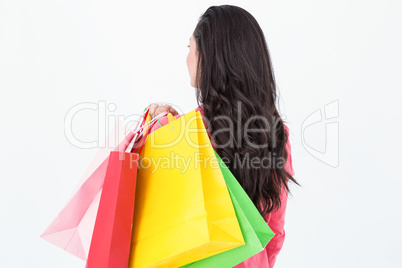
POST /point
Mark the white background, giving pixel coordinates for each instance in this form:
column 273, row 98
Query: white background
column 57, row 54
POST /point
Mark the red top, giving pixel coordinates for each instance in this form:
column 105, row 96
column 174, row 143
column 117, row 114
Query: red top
column 276, row 220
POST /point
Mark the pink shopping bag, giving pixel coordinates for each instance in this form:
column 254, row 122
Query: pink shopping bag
column 73, row 227
column 111, row 239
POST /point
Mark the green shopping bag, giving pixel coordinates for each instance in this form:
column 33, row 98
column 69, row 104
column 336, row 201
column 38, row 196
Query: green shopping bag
column 255, row 230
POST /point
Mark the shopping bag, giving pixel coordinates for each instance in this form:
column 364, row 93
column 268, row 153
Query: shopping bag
column 111, row 239
column 182, row 214
column 72, row 229
column 110, row 244
column 255, row 230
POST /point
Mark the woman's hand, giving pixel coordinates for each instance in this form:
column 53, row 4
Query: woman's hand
column 155, row 109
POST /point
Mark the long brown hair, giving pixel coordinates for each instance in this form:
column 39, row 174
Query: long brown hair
column 235, row 80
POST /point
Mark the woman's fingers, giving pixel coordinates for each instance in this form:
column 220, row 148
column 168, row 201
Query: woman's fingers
column 164, row 108
column 173, row 111
column 152, row 109
column 156, row 109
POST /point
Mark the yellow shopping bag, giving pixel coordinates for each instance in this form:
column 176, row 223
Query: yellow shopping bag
column 183, row 211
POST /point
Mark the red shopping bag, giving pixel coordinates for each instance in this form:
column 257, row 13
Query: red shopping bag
column 111, row 239
column 73, row 227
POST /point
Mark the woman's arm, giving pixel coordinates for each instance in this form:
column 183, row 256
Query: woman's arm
column 276, row 220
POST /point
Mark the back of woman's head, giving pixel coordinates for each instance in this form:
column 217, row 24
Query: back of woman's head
column 236, row 87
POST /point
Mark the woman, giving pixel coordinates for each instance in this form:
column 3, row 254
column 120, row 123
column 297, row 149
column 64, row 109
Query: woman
column 230, row 67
